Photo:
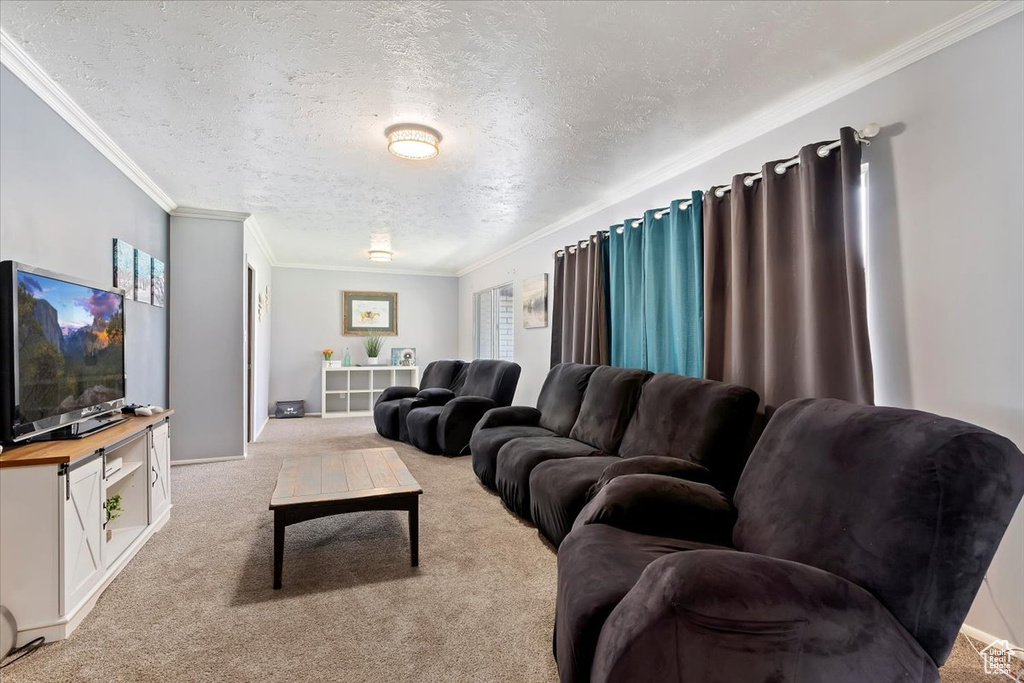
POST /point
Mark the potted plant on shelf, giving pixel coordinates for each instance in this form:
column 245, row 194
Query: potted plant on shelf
column 374, row 344
column 327, row 354
column 112, row 506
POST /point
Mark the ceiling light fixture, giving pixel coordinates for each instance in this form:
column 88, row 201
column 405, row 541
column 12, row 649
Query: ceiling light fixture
column 380, row 255
column 413, row 141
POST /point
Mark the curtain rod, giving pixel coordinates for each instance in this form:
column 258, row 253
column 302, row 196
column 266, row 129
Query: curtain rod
column 863, row 136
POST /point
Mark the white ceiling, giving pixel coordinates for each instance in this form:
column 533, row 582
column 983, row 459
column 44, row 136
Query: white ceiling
column 279, row 108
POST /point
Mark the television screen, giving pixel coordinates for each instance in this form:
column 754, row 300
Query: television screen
column 70, row 347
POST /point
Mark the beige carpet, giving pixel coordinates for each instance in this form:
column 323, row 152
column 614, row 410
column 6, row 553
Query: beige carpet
column 196, row 603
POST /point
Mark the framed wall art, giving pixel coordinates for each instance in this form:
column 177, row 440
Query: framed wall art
column 535, row 301
column 364, row 313
column 124, row 267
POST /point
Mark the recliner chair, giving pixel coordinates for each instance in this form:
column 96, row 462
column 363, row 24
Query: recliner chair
column 557, row 409
column 440, row 421
column 861, row 538
column 438, row 374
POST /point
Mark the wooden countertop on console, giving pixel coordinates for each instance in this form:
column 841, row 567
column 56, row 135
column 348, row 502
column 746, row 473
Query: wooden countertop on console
column 58, row 452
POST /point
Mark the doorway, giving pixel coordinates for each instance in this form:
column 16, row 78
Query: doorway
column 250, row 336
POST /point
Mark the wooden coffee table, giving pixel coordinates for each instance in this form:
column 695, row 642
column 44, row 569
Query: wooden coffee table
column 315, row 486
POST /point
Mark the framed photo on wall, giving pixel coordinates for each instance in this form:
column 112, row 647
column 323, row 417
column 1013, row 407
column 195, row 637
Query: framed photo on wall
column 364, row 313
column 535, row 301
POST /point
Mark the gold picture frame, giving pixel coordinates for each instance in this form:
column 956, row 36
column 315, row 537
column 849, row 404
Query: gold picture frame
column 366, row 313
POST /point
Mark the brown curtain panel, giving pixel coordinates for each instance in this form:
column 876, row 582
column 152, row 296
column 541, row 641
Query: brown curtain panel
column 579, row 316
column 784, row 296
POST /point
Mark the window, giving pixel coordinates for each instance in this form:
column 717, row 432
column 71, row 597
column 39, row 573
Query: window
column 494, row 323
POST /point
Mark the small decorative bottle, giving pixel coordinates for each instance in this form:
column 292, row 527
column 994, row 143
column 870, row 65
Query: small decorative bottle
column 348, row 358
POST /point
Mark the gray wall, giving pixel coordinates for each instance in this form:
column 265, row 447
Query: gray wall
column 207, row 388
column 61, row 205
column 307, row 318
column 946, row 286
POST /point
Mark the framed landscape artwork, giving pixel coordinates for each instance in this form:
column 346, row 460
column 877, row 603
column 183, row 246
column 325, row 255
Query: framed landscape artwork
column 364, row 313
column 124, row 267
column 143, row 276
column 535, row 301
column 159, row 283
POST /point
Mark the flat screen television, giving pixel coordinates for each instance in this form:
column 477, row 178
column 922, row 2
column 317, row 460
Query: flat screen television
column 61, row 352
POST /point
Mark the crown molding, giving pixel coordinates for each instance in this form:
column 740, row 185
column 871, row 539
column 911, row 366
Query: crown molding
column 210, row 214
column 256, row 231
column 785, row 111
column 362, row 269
column 38, row 81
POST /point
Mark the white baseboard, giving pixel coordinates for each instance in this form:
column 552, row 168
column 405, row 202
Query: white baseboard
column 201, row 461
column 988, row 639
column 262, row 427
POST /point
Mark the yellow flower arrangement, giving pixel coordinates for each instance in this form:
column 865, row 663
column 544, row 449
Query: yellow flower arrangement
column 327, row 353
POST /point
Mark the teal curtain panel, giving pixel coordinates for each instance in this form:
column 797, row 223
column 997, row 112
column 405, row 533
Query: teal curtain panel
column 673, row 266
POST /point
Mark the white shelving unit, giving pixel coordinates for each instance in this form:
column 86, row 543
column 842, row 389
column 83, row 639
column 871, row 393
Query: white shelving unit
column 351, row 391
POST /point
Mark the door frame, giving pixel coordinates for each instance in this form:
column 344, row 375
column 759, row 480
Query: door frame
column 250, row 350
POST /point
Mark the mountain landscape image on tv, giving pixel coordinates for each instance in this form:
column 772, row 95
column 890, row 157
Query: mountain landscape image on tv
column 70, row 347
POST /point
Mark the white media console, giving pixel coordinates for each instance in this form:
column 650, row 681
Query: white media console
column 350, row 391
column 57, row 554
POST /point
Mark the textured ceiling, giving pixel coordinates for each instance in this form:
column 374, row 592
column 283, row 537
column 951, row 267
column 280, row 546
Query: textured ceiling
column 279, row 108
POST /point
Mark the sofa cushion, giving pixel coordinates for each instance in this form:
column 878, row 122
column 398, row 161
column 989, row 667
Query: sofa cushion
column 562, row 395
column 421, row 426
column 597, row 566
column 905, row 504
column 651, row 464
column 559, row 490
column 518, row 457
column 493, row 379
column 608, row 405
column 693, row 419
column 485, row 444
column 441, row 374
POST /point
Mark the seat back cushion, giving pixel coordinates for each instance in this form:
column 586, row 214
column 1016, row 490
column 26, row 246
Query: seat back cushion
column 693, row 419
column 562, row 395
column 493, row 379
column 908, row 505
column 440, row 374
column 608, row 404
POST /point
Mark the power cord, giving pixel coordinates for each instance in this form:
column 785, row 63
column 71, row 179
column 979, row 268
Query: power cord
column 25, row 650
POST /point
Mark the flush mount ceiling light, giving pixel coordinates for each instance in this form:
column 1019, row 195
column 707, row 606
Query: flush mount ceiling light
column 380, row 255
column 413, row 141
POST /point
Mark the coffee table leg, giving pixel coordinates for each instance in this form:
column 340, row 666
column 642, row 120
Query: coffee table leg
column 278, row 547
column 414, row 531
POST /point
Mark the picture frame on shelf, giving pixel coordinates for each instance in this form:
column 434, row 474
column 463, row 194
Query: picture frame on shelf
column 403, row 356
column 365, row 313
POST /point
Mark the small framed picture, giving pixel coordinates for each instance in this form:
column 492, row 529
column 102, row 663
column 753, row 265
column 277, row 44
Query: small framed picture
column 364, row 313
column 535, row 301
column 403, row 356
column 124, row 267
column 143, row 276
column 159, row 284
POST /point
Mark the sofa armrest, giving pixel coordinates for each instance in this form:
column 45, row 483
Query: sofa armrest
column 652, row 464
column 662, row 506
column 508, row 416
column 457, row 421
column 726, row 615
column 435, row 396
column 396, row 393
